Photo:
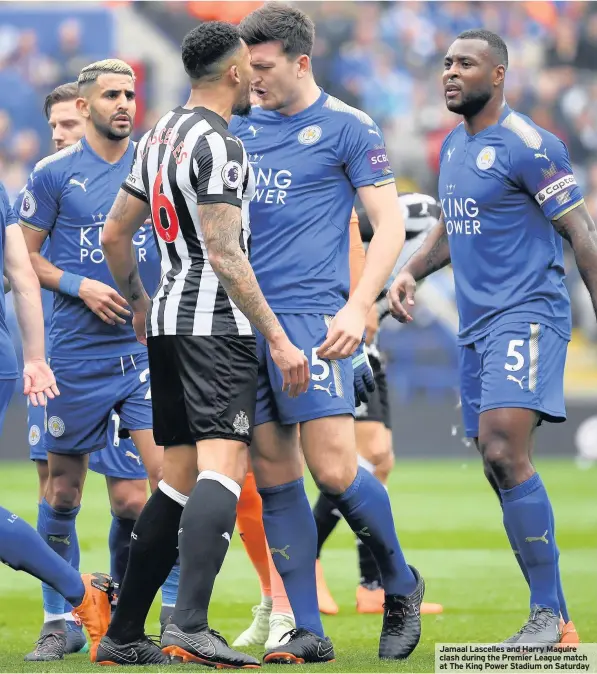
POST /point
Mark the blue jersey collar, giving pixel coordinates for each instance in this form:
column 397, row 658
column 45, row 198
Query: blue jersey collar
column 504, row 113
column 125, row 157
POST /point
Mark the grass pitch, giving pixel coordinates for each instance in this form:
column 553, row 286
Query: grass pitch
column 449, row 524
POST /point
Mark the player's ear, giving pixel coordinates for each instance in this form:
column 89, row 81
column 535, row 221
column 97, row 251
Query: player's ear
column 304, row 66
column 83, row 107
column 234, row 74
column 500, row 74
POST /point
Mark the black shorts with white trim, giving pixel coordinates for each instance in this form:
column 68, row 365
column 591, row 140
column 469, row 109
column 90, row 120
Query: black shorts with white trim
column 202, row 387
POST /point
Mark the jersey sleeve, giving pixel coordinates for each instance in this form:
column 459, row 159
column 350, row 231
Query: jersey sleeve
column 546, row 175
column 364, row 154
column 39, row 206
column 218, row 162
column 134, row 183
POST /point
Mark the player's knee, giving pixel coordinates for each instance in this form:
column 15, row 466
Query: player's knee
column 385, row 466
column 63, row 493
column 502, row 464
column 335, row 478
column 128, row 508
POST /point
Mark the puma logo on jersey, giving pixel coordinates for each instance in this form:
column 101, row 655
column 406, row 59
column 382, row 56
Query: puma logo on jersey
column 542, row 155
column 319, row 387
column 82, row 185
column 518, row 381
column 226, row 535
column 374, row 132
column 450, row 151
column 255, row 129
column 133, row 456
column 538, row 539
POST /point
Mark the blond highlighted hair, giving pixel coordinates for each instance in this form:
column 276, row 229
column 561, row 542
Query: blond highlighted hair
column 90, row 73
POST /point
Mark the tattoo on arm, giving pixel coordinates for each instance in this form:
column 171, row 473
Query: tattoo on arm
column 578, row 228
column 135, row 286
column 434, row 253
column 118, row 210
column 436, row 258
column 222, row 227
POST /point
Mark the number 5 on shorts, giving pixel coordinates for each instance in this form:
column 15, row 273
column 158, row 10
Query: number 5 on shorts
column 317, row 362
column 513, row 353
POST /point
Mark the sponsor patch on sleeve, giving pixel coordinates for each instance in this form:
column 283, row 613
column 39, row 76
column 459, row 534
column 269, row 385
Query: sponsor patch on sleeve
column 554, row 185
column 378, row 159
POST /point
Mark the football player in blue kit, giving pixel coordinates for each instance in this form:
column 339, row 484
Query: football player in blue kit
column 311, row 153
column 508, row 197
column 21, row 547
column 126, row 478
column 99, row 364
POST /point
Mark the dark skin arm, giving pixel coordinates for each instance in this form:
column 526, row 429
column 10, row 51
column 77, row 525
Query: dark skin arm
column 433, row 255
column 578, row 228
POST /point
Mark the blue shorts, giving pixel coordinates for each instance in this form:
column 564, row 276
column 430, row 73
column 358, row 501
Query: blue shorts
column 332, row 382
column 78, row 419
column 7, row 387
column 118, row 458
column 515, row 365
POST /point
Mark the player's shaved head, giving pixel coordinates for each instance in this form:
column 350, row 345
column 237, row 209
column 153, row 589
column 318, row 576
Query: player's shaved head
column 497, row 47
column 278, row 22
column 91, row 73
column 61, row 94
column 208, row 50
column 474, row 71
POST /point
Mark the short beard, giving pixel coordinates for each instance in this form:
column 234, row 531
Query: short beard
column 107, row 131
column 472, row 104
column 242, row 108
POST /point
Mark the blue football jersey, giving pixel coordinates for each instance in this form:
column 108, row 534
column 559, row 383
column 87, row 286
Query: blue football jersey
column 307, row 169
column 499, row 191
column 70, row 194
column 8, row 358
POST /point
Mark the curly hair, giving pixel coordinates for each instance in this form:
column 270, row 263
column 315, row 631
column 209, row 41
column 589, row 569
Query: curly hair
column 206, row 46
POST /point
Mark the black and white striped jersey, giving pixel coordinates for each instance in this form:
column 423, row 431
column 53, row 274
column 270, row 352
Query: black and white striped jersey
column 190, row 158
column 421, row 212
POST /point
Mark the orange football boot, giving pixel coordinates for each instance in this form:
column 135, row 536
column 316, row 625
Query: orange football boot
column 568, row 632
column 326, row 602
column 372, row 601
column 94, row 611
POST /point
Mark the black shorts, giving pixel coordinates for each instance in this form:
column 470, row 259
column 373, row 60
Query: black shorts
column 378, row 407
column 202, row 388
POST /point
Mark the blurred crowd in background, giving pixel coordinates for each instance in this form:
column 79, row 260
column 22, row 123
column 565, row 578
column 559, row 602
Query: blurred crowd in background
column 383, row 57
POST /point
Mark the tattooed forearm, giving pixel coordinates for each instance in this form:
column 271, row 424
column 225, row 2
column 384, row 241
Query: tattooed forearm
column 578, row 228
column 135, row 289
column 432, row 255
column 439, row 255
column 125, row 218
column 221, row 227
